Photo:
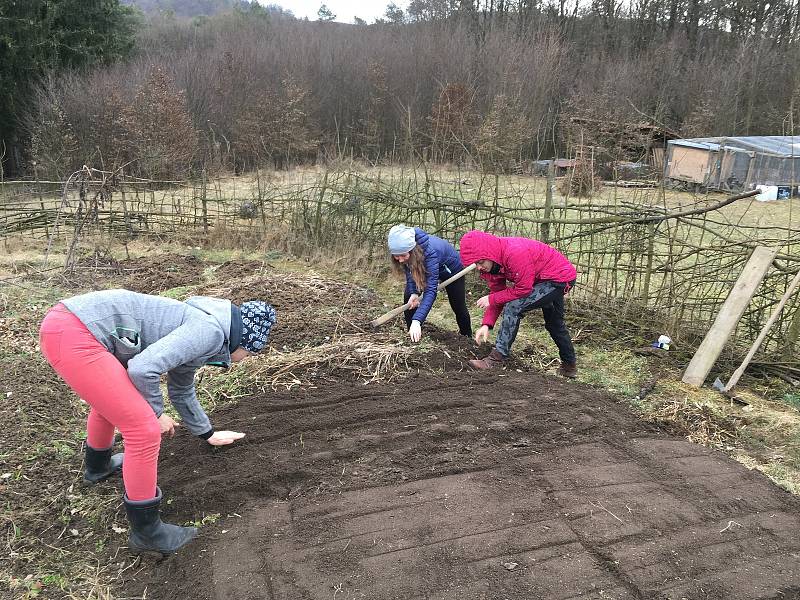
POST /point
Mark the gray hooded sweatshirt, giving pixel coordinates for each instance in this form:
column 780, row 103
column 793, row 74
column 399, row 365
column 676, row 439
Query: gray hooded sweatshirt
column 152, row 335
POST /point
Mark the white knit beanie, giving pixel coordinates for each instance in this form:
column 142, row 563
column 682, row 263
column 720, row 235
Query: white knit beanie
column 401, row 239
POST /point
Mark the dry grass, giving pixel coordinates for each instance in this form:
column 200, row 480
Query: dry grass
column 309, row 283
column 358, row 355
column 700, row 422
column 355, row 356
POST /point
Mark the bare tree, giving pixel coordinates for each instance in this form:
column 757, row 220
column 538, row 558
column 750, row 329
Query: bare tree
column 453, row 123
column 504, row 131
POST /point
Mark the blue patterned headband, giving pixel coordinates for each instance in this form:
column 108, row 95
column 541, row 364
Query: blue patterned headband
column 258, row 317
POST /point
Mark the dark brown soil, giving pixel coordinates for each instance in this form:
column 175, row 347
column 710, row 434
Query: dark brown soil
column 151, row 275
column 239, row 269
column 311, row 309
column 147, row 275
column 507, row 485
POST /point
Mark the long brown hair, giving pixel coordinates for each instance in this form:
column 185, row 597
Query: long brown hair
column 416, row 263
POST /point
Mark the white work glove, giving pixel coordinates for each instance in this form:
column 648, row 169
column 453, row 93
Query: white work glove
column 413, row 301
column 223, row 438
column 415, row 331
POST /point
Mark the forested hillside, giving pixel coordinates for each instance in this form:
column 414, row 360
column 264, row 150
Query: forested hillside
column 480, row 82
column 190, row 8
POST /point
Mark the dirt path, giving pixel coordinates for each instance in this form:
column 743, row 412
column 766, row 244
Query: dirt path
column 503, row 486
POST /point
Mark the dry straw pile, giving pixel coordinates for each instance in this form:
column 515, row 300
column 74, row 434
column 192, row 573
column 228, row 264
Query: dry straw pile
column 358, row 354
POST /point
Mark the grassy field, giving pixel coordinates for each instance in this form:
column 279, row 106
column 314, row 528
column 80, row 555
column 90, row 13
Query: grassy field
column 680, row 269
column 525, row 191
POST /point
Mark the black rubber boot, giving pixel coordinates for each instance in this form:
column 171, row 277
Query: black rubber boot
column 99, row 464
column 148, row 533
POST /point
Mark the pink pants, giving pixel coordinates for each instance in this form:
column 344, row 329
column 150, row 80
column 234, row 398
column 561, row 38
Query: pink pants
column 100, row 379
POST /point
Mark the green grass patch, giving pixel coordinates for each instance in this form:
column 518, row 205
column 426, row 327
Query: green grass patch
column 181, row 292
column 205, row 520
column 792, row 399
column 218, row 387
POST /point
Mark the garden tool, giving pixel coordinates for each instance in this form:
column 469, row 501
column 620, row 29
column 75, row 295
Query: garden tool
column 401, row 309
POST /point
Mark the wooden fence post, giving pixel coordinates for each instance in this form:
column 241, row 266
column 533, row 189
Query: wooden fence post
column 729, row 315
column 204, row 200
column 41, row 199
column 544, row 228
column 760, row 339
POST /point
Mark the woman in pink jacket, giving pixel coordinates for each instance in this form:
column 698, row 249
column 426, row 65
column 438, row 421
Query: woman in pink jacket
column 539, row 277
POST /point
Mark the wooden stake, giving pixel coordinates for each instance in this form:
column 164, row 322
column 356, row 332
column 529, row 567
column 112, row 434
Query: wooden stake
column 760, row 339
column 729, row 315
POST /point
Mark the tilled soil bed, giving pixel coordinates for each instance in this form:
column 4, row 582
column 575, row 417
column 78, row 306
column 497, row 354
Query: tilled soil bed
column 462, row 485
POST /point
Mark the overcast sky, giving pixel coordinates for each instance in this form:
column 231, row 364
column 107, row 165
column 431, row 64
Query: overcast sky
column 345, row 10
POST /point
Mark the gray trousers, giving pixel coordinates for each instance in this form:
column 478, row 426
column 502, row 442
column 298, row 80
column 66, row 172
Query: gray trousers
column 549, row 296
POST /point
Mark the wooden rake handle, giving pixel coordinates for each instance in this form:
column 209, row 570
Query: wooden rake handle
column 400, row 309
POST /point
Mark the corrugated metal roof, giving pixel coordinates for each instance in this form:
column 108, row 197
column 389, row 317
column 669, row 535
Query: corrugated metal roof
column 780, row 145
column 699, row 143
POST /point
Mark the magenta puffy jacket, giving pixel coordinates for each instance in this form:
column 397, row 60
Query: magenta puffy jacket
column 523, row 263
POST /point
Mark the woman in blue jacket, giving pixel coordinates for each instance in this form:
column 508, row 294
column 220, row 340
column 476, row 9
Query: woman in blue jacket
column 425, row 260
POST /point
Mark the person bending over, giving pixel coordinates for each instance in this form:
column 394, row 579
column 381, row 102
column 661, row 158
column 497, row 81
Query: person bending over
column 522, row 274
column 111, row 347
column 425, row 260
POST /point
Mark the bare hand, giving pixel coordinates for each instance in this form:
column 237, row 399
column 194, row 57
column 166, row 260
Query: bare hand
column 167, row 424
column 415, row 331
column 413, row 301
column 223, row 438
column 483, row 302
column 482, row 335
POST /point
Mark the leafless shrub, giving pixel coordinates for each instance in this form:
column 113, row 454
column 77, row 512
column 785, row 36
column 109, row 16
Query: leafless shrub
column 582, row 181
column 277, row 126
column 698, row 421
column 502, row 134
column 370, row 131
column 700, row 121
column 610, row 128
column 157, row 130
column 94, row 120
column 453, row 123
column 54, row 145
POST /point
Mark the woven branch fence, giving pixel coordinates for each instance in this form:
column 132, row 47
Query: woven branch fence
column 644, row 264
